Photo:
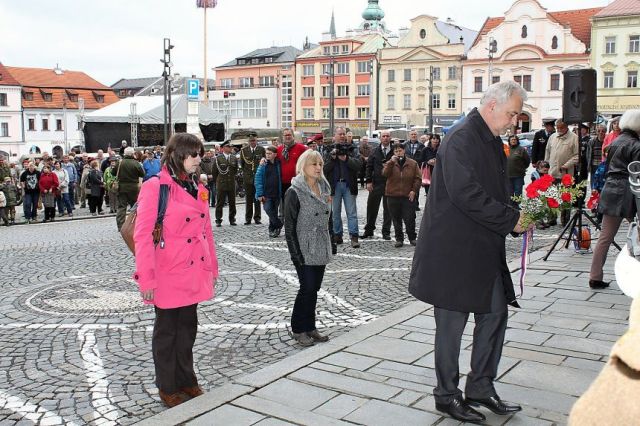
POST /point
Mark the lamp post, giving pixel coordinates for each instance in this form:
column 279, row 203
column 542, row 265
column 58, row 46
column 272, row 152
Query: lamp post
column 430, row 99
column 206, row 4
column 332, row 97
column 371, row 98
column 166, row 75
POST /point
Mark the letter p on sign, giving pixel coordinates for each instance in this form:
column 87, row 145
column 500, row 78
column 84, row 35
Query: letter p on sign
column 193, row 89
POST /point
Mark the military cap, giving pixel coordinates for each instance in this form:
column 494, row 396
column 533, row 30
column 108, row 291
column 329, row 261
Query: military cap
column 225, row 143
column 549, row 120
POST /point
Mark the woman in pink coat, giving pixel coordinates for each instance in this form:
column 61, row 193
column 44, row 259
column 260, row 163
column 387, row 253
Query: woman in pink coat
column 181, row 271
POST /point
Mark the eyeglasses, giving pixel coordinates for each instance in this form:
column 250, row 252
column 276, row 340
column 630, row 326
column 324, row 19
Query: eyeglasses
column 195, row 154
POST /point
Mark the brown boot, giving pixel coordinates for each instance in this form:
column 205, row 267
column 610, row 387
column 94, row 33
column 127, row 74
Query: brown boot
column 171, row 399
column 354, row 241
column 192, row 391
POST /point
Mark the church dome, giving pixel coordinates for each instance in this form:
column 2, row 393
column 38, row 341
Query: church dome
column 373, row 12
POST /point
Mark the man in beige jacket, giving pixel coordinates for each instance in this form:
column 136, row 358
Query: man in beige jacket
column 562, row 153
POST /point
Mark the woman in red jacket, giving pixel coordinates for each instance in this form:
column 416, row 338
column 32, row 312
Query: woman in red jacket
column 48, row 189
column 179, row 272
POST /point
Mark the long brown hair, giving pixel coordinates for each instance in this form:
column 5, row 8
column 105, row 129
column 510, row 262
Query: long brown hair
column 179, row 147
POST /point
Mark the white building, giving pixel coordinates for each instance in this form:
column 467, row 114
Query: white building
column 533, row 47
column 11, row 130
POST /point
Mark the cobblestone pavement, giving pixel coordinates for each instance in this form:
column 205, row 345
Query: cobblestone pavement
column 75, row 340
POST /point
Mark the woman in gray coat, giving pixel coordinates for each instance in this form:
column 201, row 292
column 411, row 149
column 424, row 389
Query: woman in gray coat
column 307, row 213
column 616, row 200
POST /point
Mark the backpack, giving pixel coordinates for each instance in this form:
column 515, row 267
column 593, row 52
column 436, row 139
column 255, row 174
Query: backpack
column 129, row 224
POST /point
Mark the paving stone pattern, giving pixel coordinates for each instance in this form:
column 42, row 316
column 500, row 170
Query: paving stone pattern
column 75, row 339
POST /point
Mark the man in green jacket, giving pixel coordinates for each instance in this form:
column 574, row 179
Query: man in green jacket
column 250, row 157
column 224, row 173
column 129, row 174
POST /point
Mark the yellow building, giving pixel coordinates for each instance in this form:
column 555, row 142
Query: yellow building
column 430, row 51
column 615, row 55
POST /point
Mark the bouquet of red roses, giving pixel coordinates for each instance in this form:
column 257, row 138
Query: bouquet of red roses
column 543, row 198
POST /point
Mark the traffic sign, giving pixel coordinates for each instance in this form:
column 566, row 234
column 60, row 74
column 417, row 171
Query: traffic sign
column 193, row 89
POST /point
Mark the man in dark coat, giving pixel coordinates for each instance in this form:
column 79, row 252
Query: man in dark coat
column 207, row 165
column 129, row 173
column 250, row 157
column 459, row 265
column 540, row 139
column 375, row 185
column 414, row 151
column 224, row 173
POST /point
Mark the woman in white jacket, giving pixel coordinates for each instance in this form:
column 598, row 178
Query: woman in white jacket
column 62, row 200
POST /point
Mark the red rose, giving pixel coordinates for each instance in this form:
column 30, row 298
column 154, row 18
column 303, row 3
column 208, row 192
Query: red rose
column 532, row 191
column 553, row 203
column 566, row 197
column 545, row 182
column 593, row 201
column 567, row 180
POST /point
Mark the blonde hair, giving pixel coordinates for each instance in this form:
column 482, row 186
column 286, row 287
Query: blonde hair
column 305, row 159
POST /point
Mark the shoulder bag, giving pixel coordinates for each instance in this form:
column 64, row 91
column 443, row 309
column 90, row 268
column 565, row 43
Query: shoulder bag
column 129, row 224
column 114, row 184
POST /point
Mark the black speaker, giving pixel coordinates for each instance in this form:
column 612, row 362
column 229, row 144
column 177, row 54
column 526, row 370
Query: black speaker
column 579, row 96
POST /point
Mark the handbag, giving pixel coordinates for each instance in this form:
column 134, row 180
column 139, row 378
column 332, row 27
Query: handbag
column 426, row 175
column 129, row 224
column 114, row 184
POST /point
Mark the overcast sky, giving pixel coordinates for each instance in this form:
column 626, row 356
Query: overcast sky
column 116, row 39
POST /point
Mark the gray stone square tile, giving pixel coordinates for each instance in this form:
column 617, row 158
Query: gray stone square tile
column 540, row 399
column 578, row 344
column 285, row 412
column 566, row 380
column 273, row 422
column 526, row 336
column 382, row 413
column 583, row 364
column 340, row 406
column 406, row 397
column 391, row 349
column 295, row 394
column 525, row 354
column 349, row 360
column 346, row 384
column 425, row 322
column 227, row 415
column 522, row 420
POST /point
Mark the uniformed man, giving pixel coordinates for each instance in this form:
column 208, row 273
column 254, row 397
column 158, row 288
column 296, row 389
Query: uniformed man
column 224, row 173
column 540, row 139
column 250, row 157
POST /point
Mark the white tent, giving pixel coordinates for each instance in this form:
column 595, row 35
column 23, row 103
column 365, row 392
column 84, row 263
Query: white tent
column 150, row 110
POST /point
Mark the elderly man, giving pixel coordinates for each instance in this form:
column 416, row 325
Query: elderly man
column 250, row 157
column 129, row 174
column 459, row 265
column 376, row 184
column 563, row 153
column 288, row 153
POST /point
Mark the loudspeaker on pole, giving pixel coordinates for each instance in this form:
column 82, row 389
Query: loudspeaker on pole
column 579, row 96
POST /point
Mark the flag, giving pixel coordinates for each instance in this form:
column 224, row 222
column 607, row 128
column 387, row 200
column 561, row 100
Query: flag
column 206, row 3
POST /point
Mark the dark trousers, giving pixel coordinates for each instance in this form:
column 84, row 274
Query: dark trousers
column 253, row 208
column 230, row 196
column 30, row 205
column 174, row 333
column 488, row 338
column 49, row 213
column 125, row 199
column 416, row 200
column 402, row 210
column 285, row 186
column 212, row 194
column 303, row 317
column 271, row 208
column 373, row 206
column 95, row 203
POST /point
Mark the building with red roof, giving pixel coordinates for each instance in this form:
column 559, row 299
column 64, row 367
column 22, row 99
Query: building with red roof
column 10, row 114
column 531, row 46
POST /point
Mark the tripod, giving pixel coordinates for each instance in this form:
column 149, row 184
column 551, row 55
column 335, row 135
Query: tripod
column 575, row 224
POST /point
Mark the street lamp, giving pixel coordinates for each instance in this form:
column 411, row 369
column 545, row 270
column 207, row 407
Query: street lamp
column 430, row 99
column 166, row 75
column 332, row 96
column 206, row 4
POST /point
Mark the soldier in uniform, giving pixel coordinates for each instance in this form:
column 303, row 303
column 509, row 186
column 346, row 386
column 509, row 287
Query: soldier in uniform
column 224, row 173
column 540, row 139
column 250, row 157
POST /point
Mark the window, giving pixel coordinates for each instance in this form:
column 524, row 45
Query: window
column 326, row 91
column 524, row 81
column 477, row 84
column 435, row 101
column 391, row 76
column 407, row 74
column 326, row 69
column 343, row 67
column 421, row 102
column 32, row 124
column 364, row 66
column 363, row 113
column 325, row 113
column 242, row 61
column 48, row 97
column 391, row 101
column 610, row 45
column 452, row 72
column 554, row 42
column 364, row 90
column 58, row 125
column 307, row 92
column 326, row 50
column 632, row 78
column 4, row 130
column 343, row 91
column 307, row 70
column 3, row 99
column 495, row 79
column 246, row 82
column 524, row 32
column 634, row 44
column 73, row 97
column 608, row 80
column 406, row 101
column 335, row 49
column 28, row 96
column 255, row 61
column 451, row 102
column 307, row 113
column 242, row 108
column 436, row 73
column 423, row 33
column 268, row 60
column 100, row 99
column 342, row 113
column 555, row 82
column 45, row 124
column 226, row 83
column 345, row 48
column 267, row 81
column 422, row 74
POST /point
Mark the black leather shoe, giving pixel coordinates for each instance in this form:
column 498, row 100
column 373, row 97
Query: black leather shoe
column 597, row 284
column 248, row 223
column 366, row 235
column 496, row 405
column 386, row 237
column 257, row 221
column 233, row 224
column 460, row 410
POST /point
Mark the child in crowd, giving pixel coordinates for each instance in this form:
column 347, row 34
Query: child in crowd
column 269, row 189
column 12, row 194
column 542, row 168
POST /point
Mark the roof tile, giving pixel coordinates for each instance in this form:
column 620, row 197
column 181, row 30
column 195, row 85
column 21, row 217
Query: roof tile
column 620, row 8
column 45, row 77
column 6, row 79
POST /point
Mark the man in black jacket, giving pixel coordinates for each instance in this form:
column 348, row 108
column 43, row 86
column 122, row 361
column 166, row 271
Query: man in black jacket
column 375, row 185
column 540, row 139
column 414, row 151
column 459, row 264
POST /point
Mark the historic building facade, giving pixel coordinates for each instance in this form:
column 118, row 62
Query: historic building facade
column 11, row 129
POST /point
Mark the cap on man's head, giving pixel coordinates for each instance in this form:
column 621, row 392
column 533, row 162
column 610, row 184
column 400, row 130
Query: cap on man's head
column 252, row 135
column 549, row 121
column 7, row 178
column 225, row 143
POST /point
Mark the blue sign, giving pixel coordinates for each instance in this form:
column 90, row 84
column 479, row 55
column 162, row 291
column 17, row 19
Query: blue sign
column 193, row 89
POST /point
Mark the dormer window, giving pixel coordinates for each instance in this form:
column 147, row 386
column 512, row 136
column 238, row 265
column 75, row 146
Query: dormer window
column 524, row 32
column 255, row 61
column 268, row 60
column 28, row 96
column 46, row 96
column 242, row 61
column 423, row 33
column 73, row 98
column 335, row 49
column 345, row 48
column 326, row 50
column 554, row 42
column 99, row 98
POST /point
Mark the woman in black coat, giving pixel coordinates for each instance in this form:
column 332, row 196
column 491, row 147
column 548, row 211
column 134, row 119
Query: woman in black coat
column 95, row 185
column 617, row 202
column 429, row 157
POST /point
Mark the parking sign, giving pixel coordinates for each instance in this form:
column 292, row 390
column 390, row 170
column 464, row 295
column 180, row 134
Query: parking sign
column 193, row 89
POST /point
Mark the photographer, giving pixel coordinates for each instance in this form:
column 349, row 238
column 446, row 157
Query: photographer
column 341, row 170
